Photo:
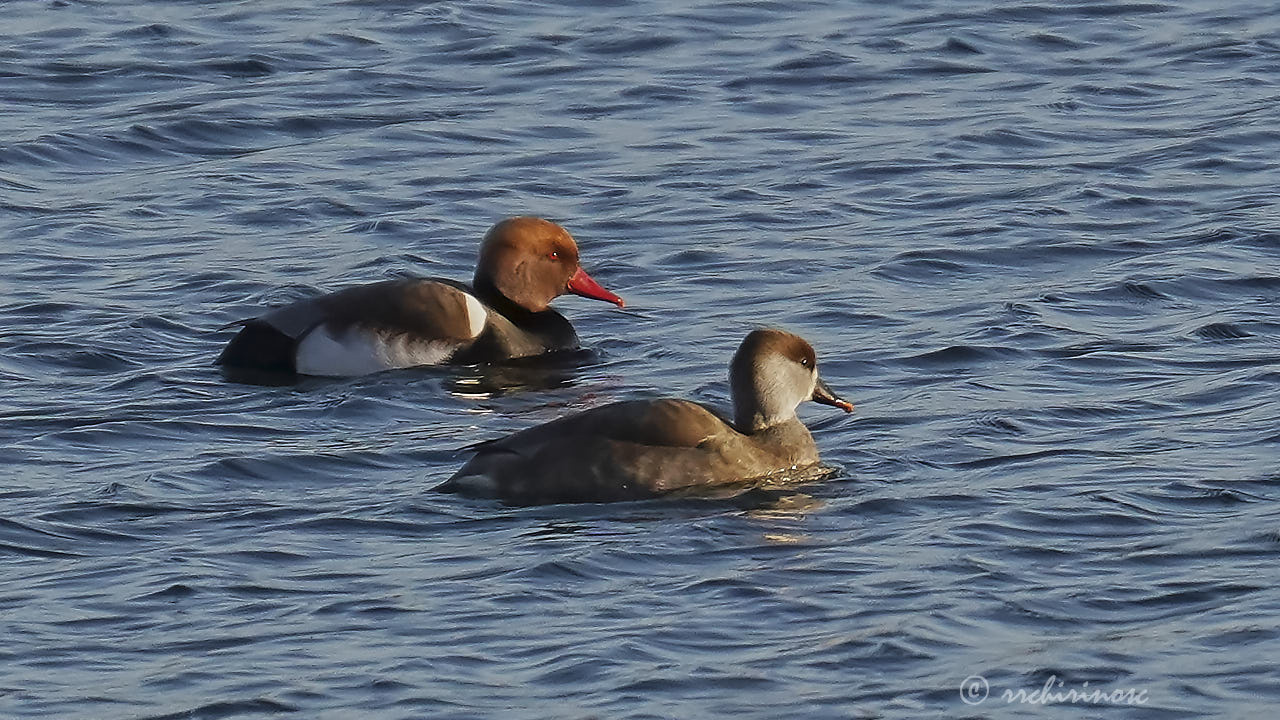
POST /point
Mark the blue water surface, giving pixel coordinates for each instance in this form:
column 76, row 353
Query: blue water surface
column 1036, row 244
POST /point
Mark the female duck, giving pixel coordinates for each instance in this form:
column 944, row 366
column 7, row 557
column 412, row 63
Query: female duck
column 643, row 448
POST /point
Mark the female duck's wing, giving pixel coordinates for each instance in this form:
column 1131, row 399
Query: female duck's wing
column 627, row 450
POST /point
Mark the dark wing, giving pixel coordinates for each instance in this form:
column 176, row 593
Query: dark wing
column 427, row 308
column 624, row 451
column 654, row 423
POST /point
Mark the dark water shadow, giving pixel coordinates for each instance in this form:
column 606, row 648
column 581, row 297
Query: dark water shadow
column 551, row 371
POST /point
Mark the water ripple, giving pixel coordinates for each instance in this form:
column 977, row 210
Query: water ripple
column 1033, row 242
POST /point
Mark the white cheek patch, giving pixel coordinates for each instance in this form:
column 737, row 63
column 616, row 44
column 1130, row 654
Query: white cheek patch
column 360, row 352
column 782, row 385
column 477, row 316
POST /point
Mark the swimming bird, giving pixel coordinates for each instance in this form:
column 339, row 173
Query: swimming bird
column 524, row 264
column 639, row 449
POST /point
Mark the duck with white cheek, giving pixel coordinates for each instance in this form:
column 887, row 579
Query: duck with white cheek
column 524, row 264
column 639, row 449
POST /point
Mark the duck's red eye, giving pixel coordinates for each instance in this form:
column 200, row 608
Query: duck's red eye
column 553, row 255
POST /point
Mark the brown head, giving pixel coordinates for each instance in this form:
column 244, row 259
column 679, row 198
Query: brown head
column 532, row 261
column 771, row 374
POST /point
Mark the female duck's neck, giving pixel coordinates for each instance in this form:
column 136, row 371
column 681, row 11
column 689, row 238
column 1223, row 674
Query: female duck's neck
column 749, row 419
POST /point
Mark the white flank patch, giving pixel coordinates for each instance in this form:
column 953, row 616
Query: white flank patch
column 360, row 352
column 402, row 351
column 477, row 316
column 480, row 484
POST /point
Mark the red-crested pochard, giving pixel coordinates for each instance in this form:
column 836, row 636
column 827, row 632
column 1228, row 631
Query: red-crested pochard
column 524, row 264
column 644, row 448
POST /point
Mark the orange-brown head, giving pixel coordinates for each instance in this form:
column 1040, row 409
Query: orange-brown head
column 532, row 261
